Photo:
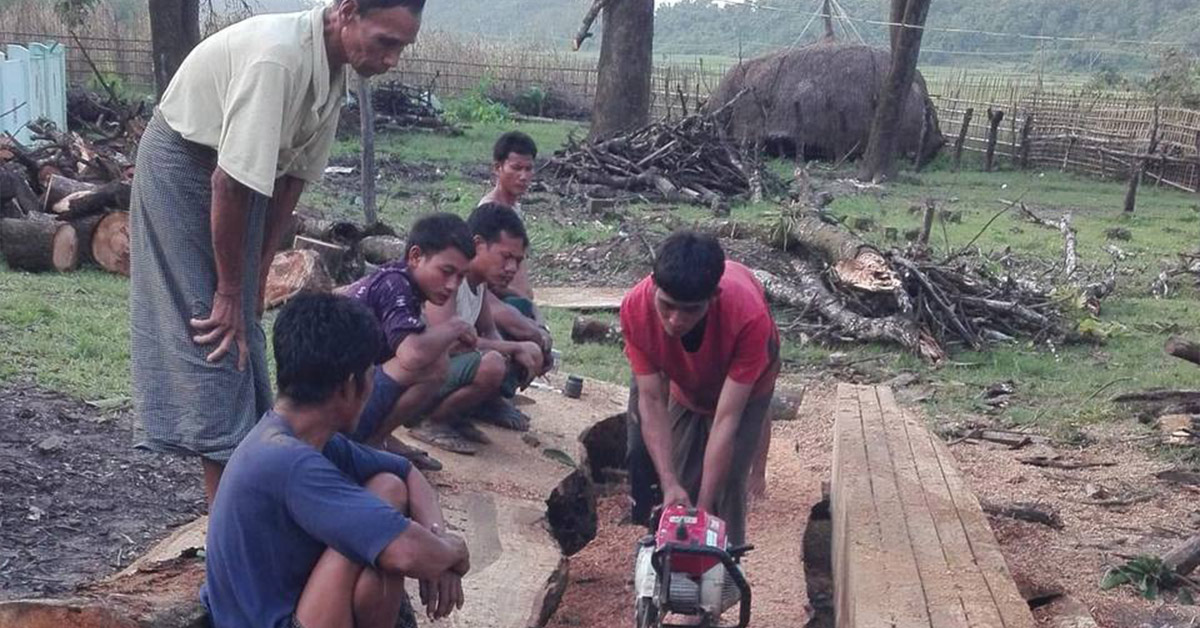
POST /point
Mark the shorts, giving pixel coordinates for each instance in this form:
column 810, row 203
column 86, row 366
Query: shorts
column 383, row 398
column 465, row 366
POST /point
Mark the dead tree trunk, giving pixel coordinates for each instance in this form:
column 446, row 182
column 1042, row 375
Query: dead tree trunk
column 1138, row 167
column 626, row 62
column 880, row 160
column 995, row 116
column 38, row 246
column 962, row 137
column 1026, row 130
column 174, row 31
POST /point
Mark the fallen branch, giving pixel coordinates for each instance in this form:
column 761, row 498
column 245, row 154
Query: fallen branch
column 1055, row 463
column 1033, row 513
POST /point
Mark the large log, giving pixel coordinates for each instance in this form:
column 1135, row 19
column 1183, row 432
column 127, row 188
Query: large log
column 115, row 195
column 59, row 187
column 381, row 249
column 38, row 246
column 1183, row 349
column 104, row 241
column 810, row 294
column 293, row 272
column 15, row 187
column 854, row 262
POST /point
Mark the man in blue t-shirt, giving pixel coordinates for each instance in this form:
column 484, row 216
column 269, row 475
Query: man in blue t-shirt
column 310, row 528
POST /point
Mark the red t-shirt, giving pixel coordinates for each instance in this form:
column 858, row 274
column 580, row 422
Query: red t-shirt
column 740, row 341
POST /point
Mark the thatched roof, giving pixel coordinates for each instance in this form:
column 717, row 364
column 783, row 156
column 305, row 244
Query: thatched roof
column 819, row 97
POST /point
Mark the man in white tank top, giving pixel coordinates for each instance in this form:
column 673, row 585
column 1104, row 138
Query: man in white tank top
column 483, row 378
column 515, row 314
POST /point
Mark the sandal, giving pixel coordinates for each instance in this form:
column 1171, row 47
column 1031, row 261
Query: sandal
column 503, row 413
column 467, row 430
column 419, row 457
column 444, row 437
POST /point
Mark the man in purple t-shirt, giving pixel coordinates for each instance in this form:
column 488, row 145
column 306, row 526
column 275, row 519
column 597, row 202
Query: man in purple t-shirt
column 416, row 361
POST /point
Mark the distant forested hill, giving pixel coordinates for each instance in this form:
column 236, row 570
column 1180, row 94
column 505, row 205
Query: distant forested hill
column 700, row 27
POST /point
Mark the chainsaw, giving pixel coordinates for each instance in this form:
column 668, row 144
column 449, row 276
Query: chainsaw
column 685, row 569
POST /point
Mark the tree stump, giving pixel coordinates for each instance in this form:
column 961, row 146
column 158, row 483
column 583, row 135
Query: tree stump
column 38, row 246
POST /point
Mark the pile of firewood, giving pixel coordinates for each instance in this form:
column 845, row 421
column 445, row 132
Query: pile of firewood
column 687, row 160
column 64, row 201
column 400, row 106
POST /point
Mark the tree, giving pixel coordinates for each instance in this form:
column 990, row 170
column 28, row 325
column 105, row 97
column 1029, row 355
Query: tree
column 626, row 62
column 174, row 31
column 880, row 159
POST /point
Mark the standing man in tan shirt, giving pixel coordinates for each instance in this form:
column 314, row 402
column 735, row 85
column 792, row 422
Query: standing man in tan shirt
column 247, row 121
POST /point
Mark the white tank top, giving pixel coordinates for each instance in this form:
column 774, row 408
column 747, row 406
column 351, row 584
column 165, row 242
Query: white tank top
column 468, row 303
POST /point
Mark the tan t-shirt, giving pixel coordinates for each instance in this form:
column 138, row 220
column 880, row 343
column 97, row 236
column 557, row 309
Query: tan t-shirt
column 261, row 93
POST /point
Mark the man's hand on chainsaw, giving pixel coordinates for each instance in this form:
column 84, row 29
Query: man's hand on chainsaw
column 675, row 494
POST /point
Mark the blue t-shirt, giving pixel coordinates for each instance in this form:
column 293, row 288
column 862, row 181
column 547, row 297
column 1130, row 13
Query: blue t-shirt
column 280, row 505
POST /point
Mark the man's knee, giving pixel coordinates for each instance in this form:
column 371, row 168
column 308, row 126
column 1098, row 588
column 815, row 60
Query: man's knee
column 390, row 488
column 492, row 367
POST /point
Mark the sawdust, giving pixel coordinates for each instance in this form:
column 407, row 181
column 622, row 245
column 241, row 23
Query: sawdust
column 601, row 587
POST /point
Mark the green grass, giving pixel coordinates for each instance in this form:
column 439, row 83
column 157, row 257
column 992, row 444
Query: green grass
column 70, row 332
column 67, row 332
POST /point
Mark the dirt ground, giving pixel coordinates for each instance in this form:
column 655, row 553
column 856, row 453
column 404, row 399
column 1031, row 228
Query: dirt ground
column 1064, row 566
column 77, row 501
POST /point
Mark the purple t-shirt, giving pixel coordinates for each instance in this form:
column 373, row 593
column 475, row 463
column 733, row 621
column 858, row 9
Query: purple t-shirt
column 281, row 504
column 395, row 299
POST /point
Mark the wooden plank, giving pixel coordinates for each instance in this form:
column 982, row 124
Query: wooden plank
column 851, row 500
column 583, row 299
column 894, row 591
column 938, row 581
column 985, row 550
column 971, row 588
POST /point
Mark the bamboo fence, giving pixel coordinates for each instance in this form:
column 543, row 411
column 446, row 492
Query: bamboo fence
column 1102, row 134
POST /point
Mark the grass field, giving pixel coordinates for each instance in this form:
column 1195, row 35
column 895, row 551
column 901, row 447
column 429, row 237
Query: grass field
column 70, row 333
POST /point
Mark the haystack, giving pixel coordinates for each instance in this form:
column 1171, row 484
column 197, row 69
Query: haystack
column 819, row 100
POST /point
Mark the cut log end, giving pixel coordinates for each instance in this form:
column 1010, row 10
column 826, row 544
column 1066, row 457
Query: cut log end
column 65, row 248
column 39, row 246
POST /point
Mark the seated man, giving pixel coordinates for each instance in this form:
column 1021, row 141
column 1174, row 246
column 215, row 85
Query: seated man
column 417, row 356
column 513, row 310
column 705, row 354
column 483, row 377
column 310, row 528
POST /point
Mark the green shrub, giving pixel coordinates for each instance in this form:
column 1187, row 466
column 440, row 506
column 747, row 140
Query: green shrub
column 476, row 107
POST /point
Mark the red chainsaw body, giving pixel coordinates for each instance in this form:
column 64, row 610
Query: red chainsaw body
column 681, row 526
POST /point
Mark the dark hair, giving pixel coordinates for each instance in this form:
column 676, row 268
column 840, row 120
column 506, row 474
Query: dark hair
column 689, row 265
column 320, row 341
column 366, row 6
column 489, row 219
column 437, row 232
column 513, row 142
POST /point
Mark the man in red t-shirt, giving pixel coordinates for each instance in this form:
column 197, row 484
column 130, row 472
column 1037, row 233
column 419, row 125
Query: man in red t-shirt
column 705, row 354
